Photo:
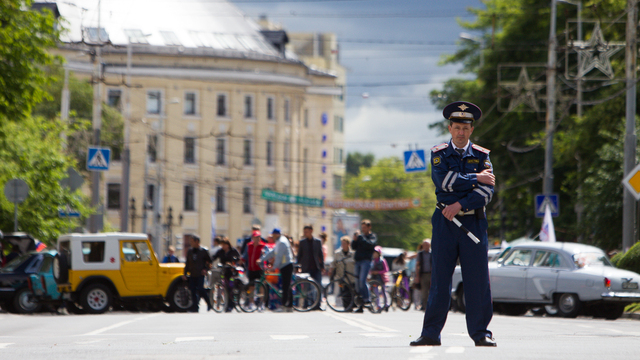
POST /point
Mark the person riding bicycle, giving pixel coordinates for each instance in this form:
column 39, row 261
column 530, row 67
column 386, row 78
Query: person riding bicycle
column 283, row 261
column 228, row 255
column 344, row 264
column 255, row 249
column 364, row 245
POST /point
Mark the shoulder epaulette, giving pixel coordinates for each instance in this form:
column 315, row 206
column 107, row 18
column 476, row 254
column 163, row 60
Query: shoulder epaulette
column 439, row 147
column 480, row 148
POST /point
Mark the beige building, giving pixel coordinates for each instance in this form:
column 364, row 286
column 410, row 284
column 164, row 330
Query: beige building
column 219, row 111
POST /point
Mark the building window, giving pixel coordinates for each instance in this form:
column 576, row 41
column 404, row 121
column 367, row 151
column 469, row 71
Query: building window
column 287, row 154
column 271, row 209
column 113, row 196
column 189, row 150
column 246, row 200
column 337, row 182
column 287, row 112
column 220, row 145
column 337, row 156
column 152, row 146
column 154, row 102
column 222, row 105
column 248, row 107
column 271, row 108
column 189, row 198
column 114, row 97
column 170, row 38
column 269, row 153
column 306, row 118
column 136, row 36
column 190, row 103
column 247, row 152
column 338, row 124
column 220, row 199
column 151, row 196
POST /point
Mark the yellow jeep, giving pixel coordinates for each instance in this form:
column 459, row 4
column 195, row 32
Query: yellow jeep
column 97, row 271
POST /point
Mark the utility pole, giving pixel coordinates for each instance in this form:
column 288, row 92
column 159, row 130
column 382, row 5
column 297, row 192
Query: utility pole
column 547, row 187
column 157, row 203
column 628, row 201
column 95, row 223
column 126, row 157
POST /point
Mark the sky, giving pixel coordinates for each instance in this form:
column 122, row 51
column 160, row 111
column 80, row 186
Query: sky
column 391, row 118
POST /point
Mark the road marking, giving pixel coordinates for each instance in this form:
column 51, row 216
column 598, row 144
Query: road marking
column 380, row 335
column 455, row 350
column 421, row 349
column 4, row 345
column 359, row 323
column 117, row 325
column 89, row 341
column 194, row 338
column 615, row 331
column 289, row 337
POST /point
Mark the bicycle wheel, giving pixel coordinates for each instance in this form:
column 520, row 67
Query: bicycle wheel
column 340, row 296
column 377, row 296
column 218, row 297
column 402, row 297
column 252, row 298
column 305, row 295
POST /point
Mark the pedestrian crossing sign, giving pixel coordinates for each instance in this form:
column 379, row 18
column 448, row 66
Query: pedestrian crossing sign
column 542, row 201
column 414, row 161
column 98, row 159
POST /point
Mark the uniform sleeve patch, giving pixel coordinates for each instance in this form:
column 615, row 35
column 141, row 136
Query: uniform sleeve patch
column 480, row 148
column 439, row 147
column 436, row 160
column 487, row 164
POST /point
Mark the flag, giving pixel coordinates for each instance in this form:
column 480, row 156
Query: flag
column 213, row 225
column 547, row 233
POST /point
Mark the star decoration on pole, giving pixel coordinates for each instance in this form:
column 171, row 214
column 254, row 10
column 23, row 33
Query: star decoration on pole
column 596, row 54
column 524, row 91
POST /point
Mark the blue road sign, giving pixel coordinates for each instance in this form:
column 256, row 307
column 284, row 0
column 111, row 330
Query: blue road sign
column 98, row 159
column 68, row 213
column 414, row 161
column 551, row 200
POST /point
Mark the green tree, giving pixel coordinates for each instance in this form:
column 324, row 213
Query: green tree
column 386, row 179
column 33, row 151
column 25, row 39
column 357, row 160
column 587, row 151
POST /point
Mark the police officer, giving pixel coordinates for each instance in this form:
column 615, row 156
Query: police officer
column 464, row 181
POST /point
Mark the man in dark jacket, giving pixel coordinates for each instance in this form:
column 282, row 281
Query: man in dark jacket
column 364, row 246
column 198, row 263
column 310, row 256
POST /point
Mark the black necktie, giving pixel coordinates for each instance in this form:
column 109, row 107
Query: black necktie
column 460, row 151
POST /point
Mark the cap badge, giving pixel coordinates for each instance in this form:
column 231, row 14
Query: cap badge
column 463, row 107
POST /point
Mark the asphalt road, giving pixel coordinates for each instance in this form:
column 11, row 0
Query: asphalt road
column 315, row 335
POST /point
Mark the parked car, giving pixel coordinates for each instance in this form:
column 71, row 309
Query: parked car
column 97, row 271
column 19, row 278
column 572, row 278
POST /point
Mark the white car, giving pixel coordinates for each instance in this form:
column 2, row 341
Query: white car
column 572, row 278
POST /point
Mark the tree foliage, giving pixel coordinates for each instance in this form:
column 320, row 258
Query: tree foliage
column 587, row 151
column 25, row 38
column 386, row 179
column 357, row 160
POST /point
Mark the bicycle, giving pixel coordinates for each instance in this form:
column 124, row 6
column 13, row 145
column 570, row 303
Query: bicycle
column 401, row 291
column 305, row 293
column 230, row 291
column 346, row 297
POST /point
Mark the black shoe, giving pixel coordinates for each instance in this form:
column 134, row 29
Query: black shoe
column 425, row 341
column 359, row 310
column 486, row 341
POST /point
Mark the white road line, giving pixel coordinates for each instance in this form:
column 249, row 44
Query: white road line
column 380, row 335
column 362, row 324
column 4, row 345
column 455, row 350
column 194, row 338
column 289, row 337
column 117, row 325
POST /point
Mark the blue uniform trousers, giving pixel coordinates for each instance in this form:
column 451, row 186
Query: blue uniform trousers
column 447, row 244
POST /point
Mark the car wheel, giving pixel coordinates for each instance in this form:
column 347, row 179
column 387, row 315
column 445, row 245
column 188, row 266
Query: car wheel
column 568, row 305
column 24, row 303
column 95, row 298
column 611, row 311
column 180, row 297
column 61, row 268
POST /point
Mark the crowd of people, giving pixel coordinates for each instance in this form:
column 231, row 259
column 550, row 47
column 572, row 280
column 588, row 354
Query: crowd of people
column 359, row 255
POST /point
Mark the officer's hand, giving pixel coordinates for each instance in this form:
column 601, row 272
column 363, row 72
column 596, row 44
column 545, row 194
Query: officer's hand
column 486, row 177
column 451, row 210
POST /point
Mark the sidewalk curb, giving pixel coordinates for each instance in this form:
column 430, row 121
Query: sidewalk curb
column 634, row 316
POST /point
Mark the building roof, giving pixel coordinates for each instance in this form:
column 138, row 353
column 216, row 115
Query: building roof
column 186, row 24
